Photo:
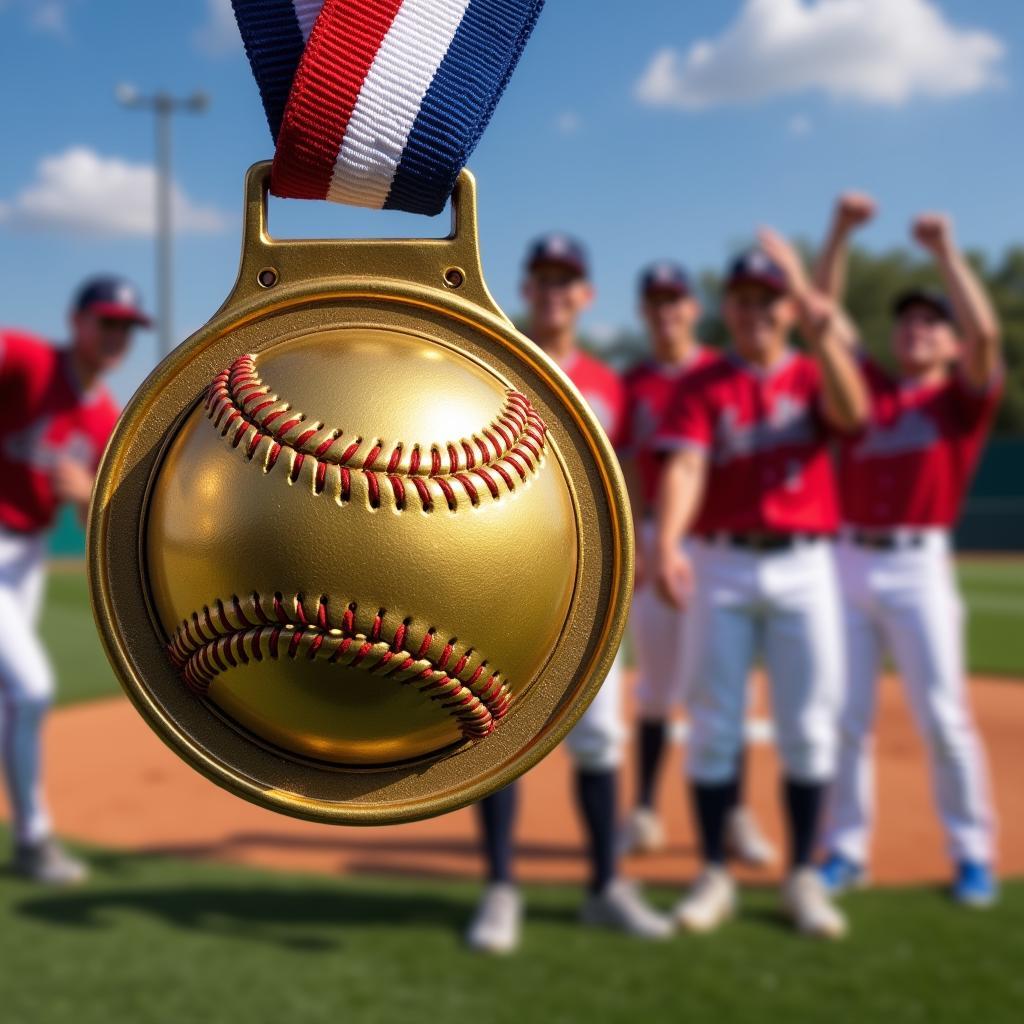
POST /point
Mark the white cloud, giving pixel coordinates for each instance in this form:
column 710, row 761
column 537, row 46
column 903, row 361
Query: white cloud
column 219, row 33
column 83, row 193
column 884, row 52
column 49, row 16
column 568, row 122
column 799, row 126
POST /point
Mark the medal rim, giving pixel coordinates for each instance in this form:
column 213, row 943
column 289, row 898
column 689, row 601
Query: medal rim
column 248, row 305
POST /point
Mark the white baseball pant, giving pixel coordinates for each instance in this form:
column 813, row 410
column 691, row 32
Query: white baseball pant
column 656, row 631
column 784, row 607
column 26, row 680
column 905, row 602
column 595, row 742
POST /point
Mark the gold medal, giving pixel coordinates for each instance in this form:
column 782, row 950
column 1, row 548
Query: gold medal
column 359, row 552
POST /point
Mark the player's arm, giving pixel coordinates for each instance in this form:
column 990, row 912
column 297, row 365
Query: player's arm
column 72, row 483
column 845, row 402
column 680, row 494
column 852, row 211
column 976, row 318
column 634, row 489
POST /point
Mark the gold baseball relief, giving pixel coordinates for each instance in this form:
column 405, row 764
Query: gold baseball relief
column 378, row 582
column 358, row 551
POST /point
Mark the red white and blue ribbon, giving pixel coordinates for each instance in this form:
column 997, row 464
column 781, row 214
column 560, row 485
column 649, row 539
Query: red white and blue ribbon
column 380, row 103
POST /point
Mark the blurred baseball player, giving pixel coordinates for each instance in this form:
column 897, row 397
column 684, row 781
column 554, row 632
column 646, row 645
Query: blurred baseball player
column 748, row 478
column 671, row 313
column 557, row 290
column 903, row 481
column 55, row 419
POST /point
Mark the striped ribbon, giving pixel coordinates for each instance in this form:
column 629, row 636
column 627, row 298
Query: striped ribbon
column 380, row 103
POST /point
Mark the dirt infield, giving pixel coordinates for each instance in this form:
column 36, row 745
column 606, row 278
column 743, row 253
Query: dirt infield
column 112, row 783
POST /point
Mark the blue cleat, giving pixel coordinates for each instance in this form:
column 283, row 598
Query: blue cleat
column 975, row 885
column 840, row 874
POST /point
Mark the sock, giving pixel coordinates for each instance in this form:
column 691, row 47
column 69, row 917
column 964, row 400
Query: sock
column 596, row 793
column 651, row 736
column 712, row 803
column 742, row 763
column 803, row 804
column 498, row 815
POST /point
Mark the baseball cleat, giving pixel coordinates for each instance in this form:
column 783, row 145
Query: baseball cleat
column 710, row 902
column 643, row 833
column 745, row 841
column 621, row 906
column 49, row 863
column 809, row 906
column 975, row 885
column 839, row 874
column 498, row 922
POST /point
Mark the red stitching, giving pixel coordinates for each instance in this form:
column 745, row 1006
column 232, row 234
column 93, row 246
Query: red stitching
column 243, row 408
column 477, row 701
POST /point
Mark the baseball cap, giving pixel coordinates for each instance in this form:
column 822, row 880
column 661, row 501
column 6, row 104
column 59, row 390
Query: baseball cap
column 754, row 266
column 665, row 278
column 930, row 297
column 558, row 250
column 113, row 297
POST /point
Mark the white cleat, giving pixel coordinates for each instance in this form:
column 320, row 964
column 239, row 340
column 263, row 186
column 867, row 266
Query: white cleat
column 745, row 841
column 498, row 922
column 807, row 903
column 620, row 906
column 710, row 902
column 48, row 863
column 642, row 833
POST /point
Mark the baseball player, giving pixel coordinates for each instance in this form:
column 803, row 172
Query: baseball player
column 671, row 313
column 557, row 290
column 55, row 419
column 748, row 478
column 902, row 483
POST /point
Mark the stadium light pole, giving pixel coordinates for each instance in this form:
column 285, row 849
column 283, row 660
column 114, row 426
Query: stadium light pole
column 164, row 106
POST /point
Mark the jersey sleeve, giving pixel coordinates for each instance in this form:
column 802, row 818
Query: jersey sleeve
column 688, row 421
column 21, row 358
column 976, row 407
column 626, row 442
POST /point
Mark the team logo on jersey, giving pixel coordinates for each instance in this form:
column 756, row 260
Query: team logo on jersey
column 32, row 447
column 645, row 423
column 790, row 424
column 911, row 432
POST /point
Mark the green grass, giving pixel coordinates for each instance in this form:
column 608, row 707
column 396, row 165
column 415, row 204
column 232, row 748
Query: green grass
column 994, row 592
column 152, row 940
column 70, row 635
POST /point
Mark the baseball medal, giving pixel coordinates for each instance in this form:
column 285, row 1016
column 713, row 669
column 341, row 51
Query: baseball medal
column 359, row 552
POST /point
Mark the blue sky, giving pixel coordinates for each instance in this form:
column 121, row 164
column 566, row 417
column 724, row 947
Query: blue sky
column 641, row 158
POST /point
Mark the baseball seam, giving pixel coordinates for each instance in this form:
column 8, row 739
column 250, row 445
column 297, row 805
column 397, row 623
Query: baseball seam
column 257, row 422
column 231, row 633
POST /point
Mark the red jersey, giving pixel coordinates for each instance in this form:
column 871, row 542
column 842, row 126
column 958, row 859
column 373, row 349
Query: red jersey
column 767, row 444
column 914, row 463
column 44, row 415
column 602, row 389
column 649, row 390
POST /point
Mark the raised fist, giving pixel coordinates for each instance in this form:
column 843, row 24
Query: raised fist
column 854, row 209
column 934, row 232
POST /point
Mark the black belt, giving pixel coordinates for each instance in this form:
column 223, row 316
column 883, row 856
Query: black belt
column 886, row 541
column 765, row 541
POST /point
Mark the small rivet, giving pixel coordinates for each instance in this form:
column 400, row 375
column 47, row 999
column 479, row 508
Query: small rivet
column 454, row 277
column 267, row 278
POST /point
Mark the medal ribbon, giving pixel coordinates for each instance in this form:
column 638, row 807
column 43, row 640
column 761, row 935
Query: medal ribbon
column 380, row 103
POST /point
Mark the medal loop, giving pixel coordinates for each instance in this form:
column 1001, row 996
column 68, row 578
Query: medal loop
column 379, row 103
